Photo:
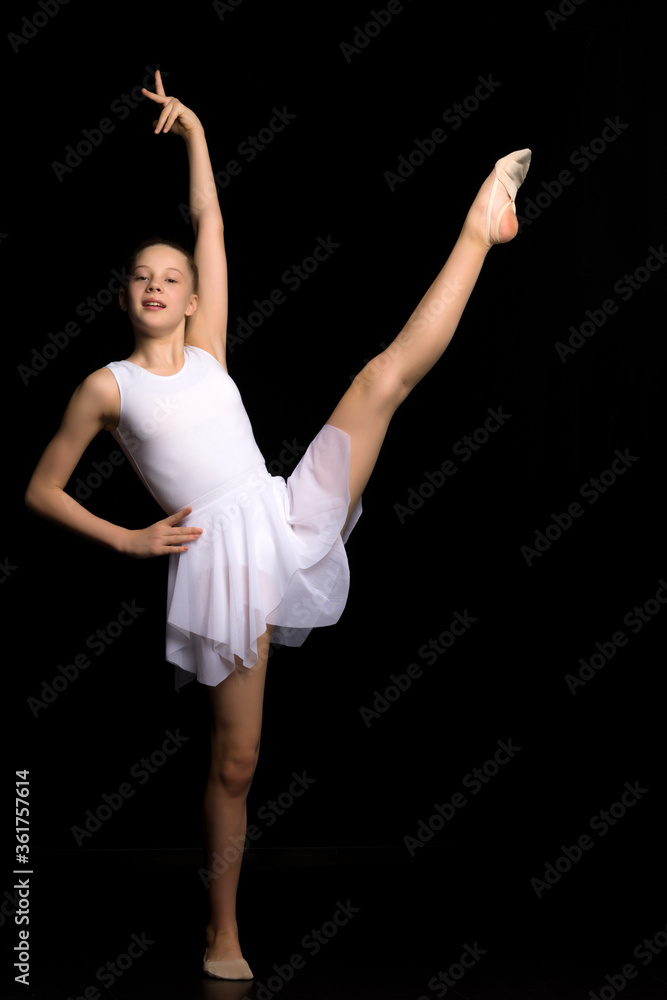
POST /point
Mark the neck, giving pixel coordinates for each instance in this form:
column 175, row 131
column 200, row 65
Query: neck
column 158, row 353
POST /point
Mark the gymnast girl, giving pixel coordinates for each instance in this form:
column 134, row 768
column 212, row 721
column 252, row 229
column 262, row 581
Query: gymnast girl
column 253, row 558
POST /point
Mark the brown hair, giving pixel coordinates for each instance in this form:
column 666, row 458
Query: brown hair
column 155, row 241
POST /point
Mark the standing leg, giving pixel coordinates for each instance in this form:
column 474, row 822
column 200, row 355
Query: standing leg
column 236, row 723
column 366, row 409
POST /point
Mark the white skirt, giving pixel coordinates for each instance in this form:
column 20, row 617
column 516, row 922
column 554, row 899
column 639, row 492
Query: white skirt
column 272, row 553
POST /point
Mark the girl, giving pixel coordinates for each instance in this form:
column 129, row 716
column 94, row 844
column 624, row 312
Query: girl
column 253, row 558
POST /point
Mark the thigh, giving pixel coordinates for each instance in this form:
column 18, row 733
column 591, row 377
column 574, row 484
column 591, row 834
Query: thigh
column 237, row 703
column 364, row 413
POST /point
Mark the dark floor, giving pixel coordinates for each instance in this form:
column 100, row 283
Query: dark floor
column 329, row 982
column 386, row 930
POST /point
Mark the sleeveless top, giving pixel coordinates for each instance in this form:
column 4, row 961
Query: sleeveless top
column 271, row 550
column 186, row 434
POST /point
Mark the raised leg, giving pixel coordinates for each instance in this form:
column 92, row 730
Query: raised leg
column 367, row 407
column 236, row 723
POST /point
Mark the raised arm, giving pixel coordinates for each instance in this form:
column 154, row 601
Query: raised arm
column 207, row 328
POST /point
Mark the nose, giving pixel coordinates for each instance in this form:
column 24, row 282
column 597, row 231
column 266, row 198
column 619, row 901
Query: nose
column 154, row 286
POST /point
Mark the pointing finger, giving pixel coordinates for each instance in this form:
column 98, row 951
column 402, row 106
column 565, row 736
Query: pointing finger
column 160, row 98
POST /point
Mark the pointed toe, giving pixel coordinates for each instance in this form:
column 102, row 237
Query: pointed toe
column 234, row 968
column 510, row 172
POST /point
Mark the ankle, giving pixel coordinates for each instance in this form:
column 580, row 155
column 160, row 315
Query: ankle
column 224, row 934
column 473, row 239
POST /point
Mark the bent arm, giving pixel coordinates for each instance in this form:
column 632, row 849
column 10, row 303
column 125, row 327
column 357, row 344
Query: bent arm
column 90, row 410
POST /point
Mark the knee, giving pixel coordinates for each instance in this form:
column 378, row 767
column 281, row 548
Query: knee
column 382, row 381
column 233, row 769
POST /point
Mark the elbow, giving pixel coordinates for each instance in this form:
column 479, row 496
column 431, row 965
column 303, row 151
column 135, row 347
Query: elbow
column 30, row 499
column 34, row 499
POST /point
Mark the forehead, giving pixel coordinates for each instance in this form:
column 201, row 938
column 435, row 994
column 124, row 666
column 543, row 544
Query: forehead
column 161, row 257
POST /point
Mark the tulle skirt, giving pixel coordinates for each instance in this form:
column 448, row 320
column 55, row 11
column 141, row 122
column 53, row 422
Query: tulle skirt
column 271, row 552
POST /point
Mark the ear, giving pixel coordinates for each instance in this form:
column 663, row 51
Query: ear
column 192, row 307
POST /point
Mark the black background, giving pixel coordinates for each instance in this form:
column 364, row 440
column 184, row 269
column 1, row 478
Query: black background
column 555, row 85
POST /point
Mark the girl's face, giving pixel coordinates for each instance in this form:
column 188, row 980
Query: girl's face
column 159, row 292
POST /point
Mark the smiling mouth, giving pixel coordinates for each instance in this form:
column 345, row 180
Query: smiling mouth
column 153, row 304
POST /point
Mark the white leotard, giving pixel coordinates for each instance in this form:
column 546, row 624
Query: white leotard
column 271, row 551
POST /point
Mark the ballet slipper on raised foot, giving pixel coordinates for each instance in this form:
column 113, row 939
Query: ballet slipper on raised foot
column 510, row 173
column 233, row 968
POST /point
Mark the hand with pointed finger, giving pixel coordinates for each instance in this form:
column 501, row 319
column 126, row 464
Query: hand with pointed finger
column 174, row 116
column 162, row 538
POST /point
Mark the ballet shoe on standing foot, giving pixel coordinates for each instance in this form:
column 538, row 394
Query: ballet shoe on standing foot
column 489, row 211
column 233, row 968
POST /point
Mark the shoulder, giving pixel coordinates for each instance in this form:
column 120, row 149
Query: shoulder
column 100, row 384
column 99, row 396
